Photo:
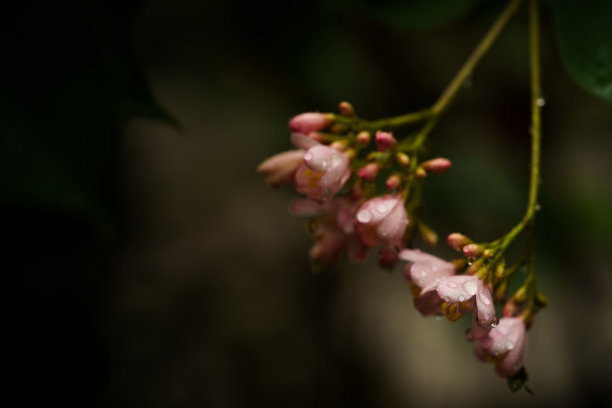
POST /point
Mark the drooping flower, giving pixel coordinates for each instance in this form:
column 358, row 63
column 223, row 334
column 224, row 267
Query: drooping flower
column 332, row 229
column 505, row 345
column 425, row 271
column 382, row 220
column 280, row 168
column 324, row 170
column 462, row 293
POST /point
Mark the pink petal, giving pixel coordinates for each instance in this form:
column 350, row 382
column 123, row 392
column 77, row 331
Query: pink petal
column 303, row 142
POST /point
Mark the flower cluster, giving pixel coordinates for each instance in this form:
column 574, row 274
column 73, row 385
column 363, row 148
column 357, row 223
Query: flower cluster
column 337, row 165
column 362, row 190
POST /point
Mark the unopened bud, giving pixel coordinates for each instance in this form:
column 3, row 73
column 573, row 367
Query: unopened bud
column 488, row 253
column 500, row 270
column 459, row 264
column 346, row 109
column 475, row 267
column 429, row 236
column 501, row 291
column 420, row 172
column 509, row 309
column 457, row 240
column 439, row 165
column 310, row 121
column 338, row 145
column 394, row 181
column 363, row 137
column 386, row 258
column 369, row 171
column 402, row 159
column 541, row 299
column 472, row 250
column 520, row 295
column 385, row 141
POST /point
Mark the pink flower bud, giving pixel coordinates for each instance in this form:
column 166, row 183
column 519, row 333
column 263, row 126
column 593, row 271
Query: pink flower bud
column 457, row 240
column 394, row 181
column 309, row 122
column 385, row 141
column 472, row 250
column 280, row 168
column 506, row 345
column 439, row 165
column 346, row 109
column 363, row 137
column 382, row 220
column 369, row 171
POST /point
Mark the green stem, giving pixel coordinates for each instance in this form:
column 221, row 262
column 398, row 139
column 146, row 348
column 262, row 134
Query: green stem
column 449, row 94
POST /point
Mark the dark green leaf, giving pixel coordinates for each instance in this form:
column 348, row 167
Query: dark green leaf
column 584, row 33
column 420, row 13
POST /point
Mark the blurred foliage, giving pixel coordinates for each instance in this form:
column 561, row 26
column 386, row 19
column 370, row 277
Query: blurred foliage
column 71, row 81
column 584, row 34
column 419, row 14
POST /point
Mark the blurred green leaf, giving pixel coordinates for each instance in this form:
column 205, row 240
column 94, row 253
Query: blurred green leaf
column 420, row 13
column 584, row 33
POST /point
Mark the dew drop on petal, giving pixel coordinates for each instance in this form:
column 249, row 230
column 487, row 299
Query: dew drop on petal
column 308, row 156
column 494, row 322
column 461, row 298
column 510, row 345
column 484, row 299
column 423, row 273
column 381, row 208
column 470, row 286
column 446, row 299
column 364, row 216
column 452, row 285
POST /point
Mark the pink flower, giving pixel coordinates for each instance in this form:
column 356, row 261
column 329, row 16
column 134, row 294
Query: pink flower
column 439, row 165
column 506, row 345
column 324, row 171
column 425, row 272
column 466, row 292
column 382, row 220
column 280, row 168
column 332, row 230
column 310, row 122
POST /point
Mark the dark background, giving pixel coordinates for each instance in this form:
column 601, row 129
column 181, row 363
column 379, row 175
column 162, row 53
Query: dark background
column 147, row 264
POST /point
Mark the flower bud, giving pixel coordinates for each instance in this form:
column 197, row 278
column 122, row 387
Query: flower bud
column 385, row 141
column 472, row 250
column 402, row 159
column 394, row 181
column 457, row 240
column 338, row 145
column 439, row 165
column 310, row 121
column 382, row 220
column 369, row 171
column 363, row 137
column 429, row 236
column 420, row 172
column 346, row 109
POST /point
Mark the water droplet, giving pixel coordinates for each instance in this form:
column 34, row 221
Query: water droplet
column 446, row 299
column 381, row 208
column 495, row 322
column 452, row 285
column 510, row 345
column 423, row 273
column 470, row 286
column 470, row 263
column 538, row 207
column 540, row 102
column 308, row 156
column 364, row 216
column 437, row 280
column 484, row 299
column 461, row 298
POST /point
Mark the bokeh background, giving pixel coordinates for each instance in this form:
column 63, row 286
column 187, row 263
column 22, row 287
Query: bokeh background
column 147, row 264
